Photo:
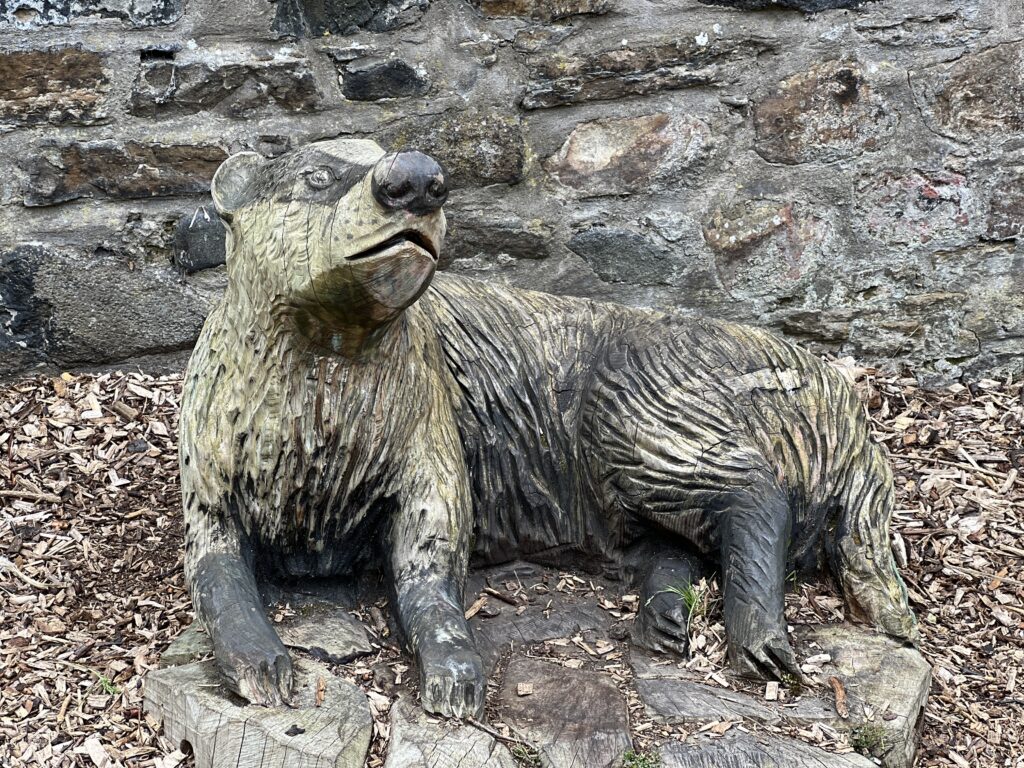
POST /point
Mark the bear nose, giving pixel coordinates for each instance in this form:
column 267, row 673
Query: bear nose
column 409, row 181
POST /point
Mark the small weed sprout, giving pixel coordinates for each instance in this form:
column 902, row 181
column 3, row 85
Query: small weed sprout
column 792, row 682
column 869, row 739
column 525, row 755
column 694, row 599
column 640, row 760
column 108, row 685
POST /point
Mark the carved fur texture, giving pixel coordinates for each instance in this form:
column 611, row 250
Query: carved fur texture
column 345, row 406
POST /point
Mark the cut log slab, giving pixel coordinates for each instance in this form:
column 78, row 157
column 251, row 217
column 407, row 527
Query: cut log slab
column 677, row 701
column 197, row 711
column 326, row 632
column 574, row 718
column 747, row 750
column 419, row 741
column 677, row 696
column 556, row 616
column 886, row 685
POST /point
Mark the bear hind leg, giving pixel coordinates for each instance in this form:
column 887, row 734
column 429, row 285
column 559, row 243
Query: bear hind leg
column 755, row 530
column 861, row 559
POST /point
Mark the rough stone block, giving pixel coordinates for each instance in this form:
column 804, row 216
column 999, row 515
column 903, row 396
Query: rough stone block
column 807, row 6
column 491, row 234
column 830, row 326
column 917, row 208
column 372, row 79
column 767, row 249
column 830, row 112
column 138, row 13
column 474, row 147
column 946, row 28
column 23, row 313
column 1006, row 205
column 614, row 156
column 623, row 256
column 636, row 69
column 542, row 10
column 573, row 717
column 167, row 88
column 70, row 307
column 62, row 86
column 314, row 18
column 112, row 169
column 195, row 709
column 978, row 95
column 199, row 240
column 419, row 741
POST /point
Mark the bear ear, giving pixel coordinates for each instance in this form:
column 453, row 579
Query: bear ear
column 232, row 186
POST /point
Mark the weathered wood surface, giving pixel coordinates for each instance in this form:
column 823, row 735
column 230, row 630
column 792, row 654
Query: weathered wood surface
column 509, row 629
column 746, row 750
column 685, row 701
column 677, row 695
column 886, row 686
column 195, row 709
column 394, row 401
column 325, row 630
column 574, row 718
column 419, row 741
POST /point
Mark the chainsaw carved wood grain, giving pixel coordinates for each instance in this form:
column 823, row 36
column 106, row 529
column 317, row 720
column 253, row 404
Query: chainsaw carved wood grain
column 345, row 407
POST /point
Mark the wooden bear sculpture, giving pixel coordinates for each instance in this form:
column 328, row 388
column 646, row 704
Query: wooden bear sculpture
column 346, row 407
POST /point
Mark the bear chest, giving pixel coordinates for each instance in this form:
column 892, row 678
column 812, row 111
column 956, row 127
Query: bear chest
column 315, row 461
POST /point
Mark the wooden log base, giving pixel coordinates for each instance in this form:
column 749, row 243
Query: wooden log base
column 198, row 714
column 563, row 709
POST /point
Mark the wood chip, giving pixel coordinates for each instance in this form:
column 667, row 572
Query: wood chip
column 474, row 609
column 840, row 693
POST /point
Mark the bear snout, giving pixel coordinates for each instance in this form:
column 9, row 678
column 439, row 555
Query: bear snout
column 409, row 181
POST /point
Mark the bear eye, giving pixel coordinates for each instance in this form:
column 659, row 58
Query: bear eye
column 320, row 178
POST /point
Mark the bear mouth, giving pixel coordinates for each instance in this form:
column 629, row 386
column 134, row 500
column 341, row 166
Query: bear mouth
column 401, row 240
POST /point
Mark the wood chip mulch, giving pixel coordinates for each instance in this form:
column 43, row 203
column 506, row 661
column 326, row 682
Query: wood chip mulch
column 91, row 586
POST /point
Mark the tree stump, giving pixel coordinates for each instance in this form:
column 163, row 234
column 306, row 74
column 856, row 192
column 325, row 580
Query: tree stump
column 327, row 724
column 199, row 714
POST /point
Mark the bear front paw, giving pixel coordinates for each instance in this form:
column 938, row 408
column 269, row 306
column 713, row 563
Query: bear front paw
column 452, row 684
column 258, row 671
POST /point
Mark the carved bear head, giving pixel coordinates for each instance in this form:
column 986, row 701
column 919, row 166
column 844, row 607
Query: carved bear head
column 337, row 233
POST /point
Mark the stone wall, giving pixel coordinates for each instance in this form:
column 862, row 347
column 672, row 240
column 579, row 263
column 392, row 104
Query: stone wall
column 852, row 178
